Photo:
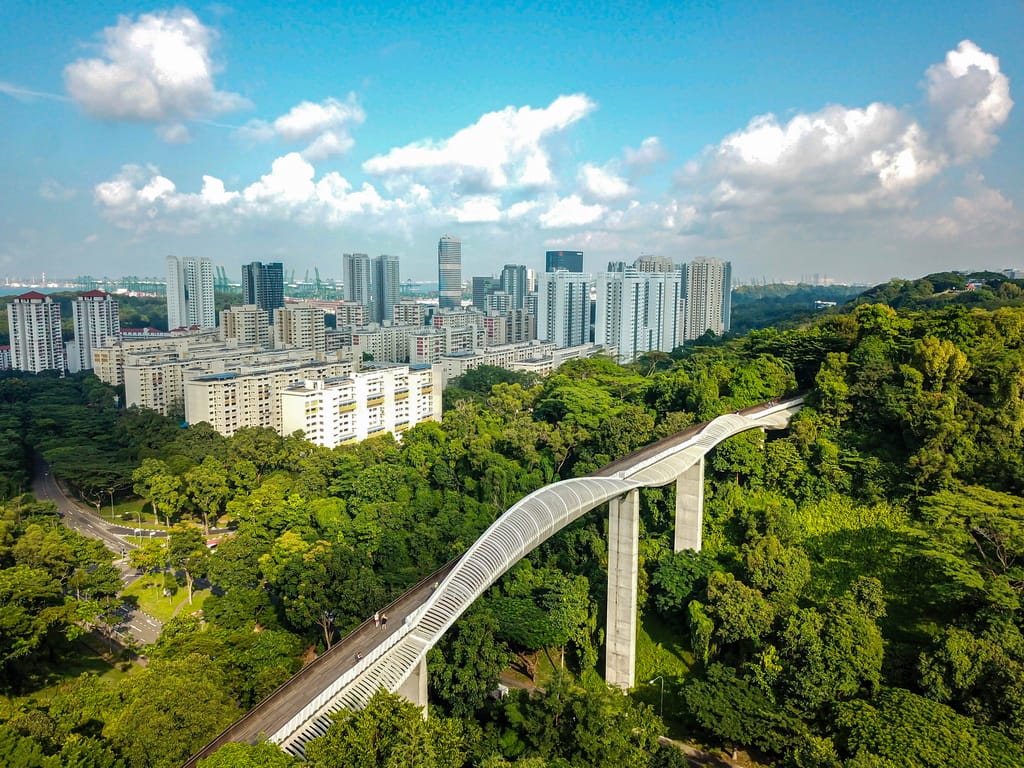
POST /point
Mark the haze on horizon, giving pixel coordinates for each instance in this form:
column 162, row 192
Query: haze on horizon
column 858, row 143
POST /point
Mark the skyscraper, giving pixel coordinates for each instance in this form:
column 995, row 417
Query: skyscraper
column 387, row 287
column 563, row 308
column 33, row 320
column 707, row 285
column 449, row 272
column 97, row 324
column 483, row 287
column 570, row 261
column 513, row 282
column 357, row 277
column 190, row 293
column 263, row 286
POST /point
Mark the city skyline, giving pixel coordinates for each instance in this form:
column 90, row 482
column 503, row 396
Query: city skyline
column 769, row 138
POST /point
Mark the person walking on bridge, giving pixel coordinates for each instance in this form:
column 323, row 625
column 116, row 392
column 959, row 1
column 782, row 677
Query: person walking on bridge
column 376, row 619
column 383, row 621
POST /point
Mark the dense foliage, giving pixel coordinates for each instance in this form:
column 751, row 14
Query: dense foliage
column 857, row 600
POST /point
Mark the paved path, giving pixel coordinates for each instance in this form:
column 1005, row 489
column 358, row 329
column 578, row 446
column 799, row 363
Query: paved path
column 139, row 625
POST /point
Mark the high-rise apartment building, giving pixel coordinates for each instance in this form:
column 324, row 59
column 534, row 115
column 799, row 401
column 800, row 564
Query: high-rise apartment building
column 449, row 272
column 638, row 311
column 513, row 282
column 246, row 325
column 570, row 261
column 707, row 285
column 33, row 320
column 190, row 293
column 263, row 286
column 563, row 308
column 387, row 287
column 97, row 324
column 357, row 276
column 301, row 326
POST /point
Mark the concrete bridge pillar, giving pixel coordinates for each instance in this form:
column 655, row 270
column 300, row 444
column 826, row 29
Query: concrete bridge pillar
column 623, row 566
column 415, row 686
column 690, row 508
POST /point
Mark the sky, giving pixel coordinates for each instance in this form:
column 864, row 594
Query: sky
column 849, row 141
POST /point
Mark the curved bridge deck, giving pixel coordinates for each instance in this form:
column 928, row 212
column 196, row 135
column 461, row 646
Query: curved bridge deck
column 300, row 709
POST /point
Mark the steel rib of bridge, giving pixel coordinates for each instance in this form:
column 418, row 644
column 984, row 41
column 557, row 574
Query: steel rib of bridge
column 523, row 527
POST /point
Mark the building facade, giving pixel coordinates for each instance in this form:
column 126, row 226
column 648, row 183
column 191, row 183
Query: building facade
column 563, row 308
column 373, row 402
column 357, row 277
column 33, row 321
column 638, row 311
column 301, row 326
column 707, row 285
column 247, row 325
column 570, row 261
column 190, row 300
column 449, row 272
column 97, row 324
column 514, row 283
column 263, row 286
column 387, row 288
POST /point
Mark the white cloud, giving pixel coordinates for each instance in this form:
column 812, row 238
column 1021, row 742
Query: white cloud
column 174, row 133
column 503, row 149
column 156, row 68
column 55, row 191
column 570, row 211
column 324, row 125
column 603, row 184
column 971, row 97
column 649, row 154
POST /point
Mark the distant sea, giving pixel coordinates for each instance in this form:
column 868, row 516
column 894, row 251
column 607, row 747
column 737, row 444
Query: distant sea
column 11, row 290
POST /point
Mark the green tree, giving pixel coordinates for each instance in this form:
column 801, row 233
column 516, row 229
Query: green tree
column 262, row 755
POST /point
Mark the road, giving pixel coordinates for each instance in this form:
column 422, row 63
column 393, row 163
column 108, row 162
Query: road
column 140, row 626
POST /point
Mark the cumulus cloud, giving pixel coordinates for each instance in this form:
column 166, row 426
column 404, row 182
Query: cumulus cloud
column 155, row 68
column 503, row 149
column 971, row 97
column 570, row 211
column 603, row 184
column 325, row 126
column 174, row 133
column 649, row 154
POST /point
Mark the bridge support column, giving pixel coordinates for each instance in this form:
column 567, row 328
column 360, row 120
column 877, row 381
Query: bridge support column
column 415, row 687
column 690, row 508
column 623, row 566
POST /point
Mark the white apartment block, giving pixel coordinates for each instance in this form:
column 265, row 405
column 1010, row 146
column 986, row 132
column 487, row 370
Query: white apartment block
column 512, row 327
column 410, row 313
column 348, row 314
column 563, row 308
column 97, row 323
column 33, row 320
column 342, row 411
column 5, row 357
column 108, row 361
column 639, row 311
column 247, row 325
column 190, row 300
column 542, row 366
column 301, row 326
column 707, row 284
column 426, row 345
column 250, row 396
column 504, row 356
column 383, row 343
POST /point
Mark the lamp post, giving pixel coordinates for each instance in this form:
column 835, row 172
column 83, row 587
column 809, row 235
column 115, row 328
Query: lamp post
column 661, row 706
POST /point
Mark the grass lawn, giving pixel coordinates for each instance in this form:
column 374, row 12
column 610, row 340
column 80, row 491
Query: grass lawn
column 149, row 591
column 129, row 513
column 87, row 654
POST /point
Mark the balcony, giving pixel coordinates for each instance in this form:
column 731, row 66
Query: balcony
column 374, row 401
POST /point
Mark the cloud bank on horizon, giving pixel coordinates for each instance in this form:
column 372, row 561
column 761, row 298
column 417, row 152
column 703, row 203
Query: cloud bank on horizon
column 517, row 172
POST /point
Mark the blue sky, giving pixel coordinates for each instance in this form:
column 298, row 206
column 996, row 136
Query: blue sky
column 855, row 141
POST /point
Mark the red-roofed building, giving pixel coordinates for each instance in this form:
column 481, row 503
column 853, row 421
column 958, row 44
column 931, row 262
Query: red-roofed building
column 97, row 324
column 36, row 342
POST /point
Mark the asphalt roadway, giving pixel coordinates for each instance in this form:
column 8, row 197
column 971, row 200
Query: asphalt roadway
column 140, row 626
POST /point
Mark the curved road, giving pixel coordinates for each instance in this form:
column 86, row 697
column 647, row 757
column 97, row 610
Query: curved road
column 142, row 627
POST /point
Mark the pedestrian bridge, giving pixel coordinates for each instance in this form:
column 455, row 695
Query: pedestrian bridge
column 395, row 659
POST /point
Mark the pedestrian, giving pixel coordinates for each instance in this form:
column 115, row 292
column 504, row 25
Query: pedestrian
column 383, row 621
column 376, row 619
column 359, row 656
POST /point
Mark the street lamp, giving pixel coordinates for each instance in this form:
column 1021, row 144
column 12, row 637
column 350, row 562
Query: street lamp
column 661, row 708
